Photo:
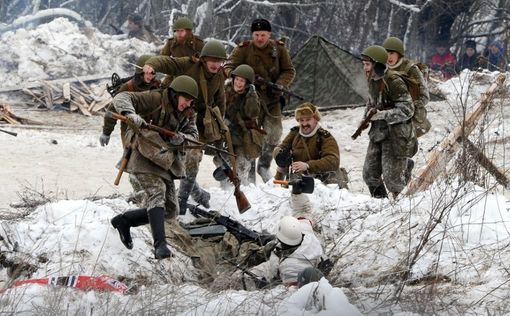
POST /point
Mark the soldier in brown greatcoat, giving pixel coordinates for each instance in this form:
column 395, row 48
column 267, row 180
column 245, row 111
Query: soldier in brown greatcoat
column 183, row 44
column 210, row 108
column 270, row 60
column 243, row 108
column 308, row 149
column 153, row 169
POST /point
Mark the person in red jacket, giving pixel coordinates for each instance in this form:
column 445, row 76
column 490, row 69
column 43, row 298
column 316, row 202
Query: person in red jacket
column 443, row 60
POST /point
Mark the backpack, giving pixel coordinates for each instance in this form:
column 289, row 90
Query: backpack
column 420, row 122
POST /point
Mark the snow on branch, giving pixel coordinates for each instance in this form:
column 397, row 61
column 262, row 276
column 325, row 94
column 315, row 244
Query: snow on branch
column 288, row 4
column 21, row 21
column 410, row 7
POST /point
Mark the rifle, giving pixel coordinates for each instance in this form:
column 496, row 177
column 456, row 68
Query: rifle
column 277, row 87
column 165, row 132
column 8, row 132
column 242, row 201
column 116, row 29
column 241, row 233
column 364, row 124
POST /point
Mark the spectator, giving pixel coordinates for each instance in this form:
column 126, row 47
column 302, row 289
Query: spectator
column 444, row 61
column 493, row 58
column 469, row 60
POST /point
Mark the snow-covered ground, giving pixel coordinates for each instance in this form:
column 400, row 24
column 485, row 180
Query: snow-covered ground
column 441, row 251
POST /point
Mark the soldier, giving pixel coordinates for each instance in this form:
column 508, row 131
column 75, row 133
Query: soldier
column 139, row 82
column 183, row 44
column 138, row 30
column 311, row 150
column 392, row 136
column 169, row 108
column 270, row 60
column 243, row 109
column 417, row 86
column 298, row 248
column 210, row 108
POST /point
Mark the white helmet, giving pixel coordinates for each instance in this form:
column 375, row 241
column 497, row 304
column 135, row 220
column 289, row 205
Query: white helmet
column 290, row 231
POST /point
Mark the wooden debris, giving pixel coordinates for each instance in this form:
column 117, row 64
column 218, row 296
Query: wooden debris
column 445, row 151
column 11, row 118
column 73, row 94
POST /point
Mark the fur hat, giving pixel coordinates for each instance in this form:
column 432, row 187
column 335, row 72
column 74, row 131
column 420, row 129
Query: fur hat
column 260, row 25
column 307, row 109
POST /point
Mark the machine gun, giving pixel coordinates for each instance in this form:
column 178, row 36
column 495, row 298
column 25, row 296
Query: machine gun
column 225, row 171
column 234, row 227
column 117, row 81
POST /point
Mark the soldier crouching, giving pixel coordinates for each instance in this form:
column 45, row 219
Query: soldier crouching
column 156, row 161
column 310, row 150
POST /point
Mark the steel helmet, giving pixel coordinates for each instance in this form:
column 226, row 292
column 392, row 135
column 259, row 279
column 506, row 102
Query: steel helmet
column 183, row 23
column 394, row 44
column 244, row 71
column 185, row 84
column 214, row 48
column 290, row 231
column 376, row 53
column 140, row 62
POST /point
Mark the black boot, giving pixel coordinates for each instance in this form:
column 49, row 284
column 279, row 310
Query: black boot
column 123, row 222
column 265, row 162
column 378, row 192
column 157, row 221
column 198, row 194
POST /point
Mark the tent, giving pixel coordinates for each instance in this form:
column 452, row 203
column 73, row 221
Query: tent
column 327, row 75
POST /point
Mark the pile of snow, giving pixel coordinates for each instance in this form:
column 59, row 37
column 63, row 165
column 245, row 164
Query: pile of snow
column 371, row 240
column 60, row 49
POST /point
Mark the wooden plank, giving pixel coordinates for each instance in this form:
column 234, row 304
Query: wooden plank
column 83, row 106
column 485, row 162
column 444, row 152
column 66, row 90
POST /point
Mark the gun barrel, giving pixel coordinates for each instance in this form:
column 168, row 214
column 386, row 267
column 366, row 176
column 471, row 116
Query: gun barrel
column 9, row 132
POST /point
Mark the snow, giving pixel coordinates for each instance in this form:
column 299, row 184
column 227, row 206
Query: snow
column 450, row 240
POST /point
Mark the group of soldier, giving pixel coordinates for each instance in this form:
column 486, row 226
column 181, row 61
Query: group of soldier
column 196, row 103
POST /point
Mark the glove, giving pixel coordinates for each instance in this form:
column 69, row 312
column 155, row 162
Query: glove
column 177, row 140
column 251, row 89
column 136, row 119
column 104, row 139
column 277, row 92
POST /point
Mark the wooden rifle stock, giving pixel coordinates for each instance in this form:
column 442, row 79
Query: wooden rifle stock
column 364, row 124
column 123, row 165
column 242, row 201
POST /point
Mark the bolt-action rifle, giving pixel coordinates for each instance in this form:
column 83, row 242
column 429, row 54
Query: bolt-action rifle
column 259, row 79
column 364, row 124
column 162, row 131
column 224, row 172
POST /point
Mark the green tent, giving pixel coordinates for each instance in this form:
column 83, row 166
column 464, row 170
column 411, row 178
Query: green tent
column 327, row 75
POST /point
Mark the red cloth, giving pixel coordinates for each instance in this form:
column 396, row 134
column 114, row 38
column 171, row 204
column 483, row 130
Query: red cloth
column 82, row 282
